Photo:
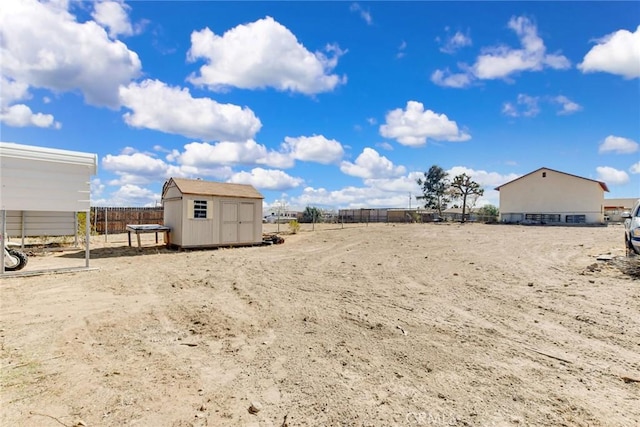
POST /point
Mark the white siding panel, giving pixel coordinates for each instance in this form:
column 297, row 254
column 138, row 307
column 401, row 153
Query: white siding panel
column 40, row 223
column 44, row 186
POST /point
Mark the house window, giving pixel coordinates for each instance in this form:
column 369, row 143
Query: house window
column 200, row 209
column 576, row 219
column 544, row 174
column 542, row 218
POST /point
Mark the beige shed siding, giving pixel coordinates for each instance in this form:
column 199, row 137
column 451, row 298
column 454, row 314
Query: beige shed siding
column 173, row 219
column 555, row 193
column 199, row 231
column 172, row 192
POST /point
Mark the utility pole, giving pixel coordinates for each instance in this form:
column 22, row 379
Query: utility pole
column 409, row 201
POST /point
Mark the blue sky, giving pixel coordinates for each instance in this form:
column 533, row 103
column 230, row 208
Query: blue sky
column 327, row 104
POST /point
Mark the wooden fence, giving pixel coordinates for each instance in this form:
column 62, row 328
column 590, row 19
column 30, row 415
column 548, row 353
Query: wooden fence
column 106, row 220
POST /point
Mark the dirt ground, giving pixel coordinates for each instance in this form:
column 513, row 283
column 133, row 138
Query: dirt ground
column 378, row 325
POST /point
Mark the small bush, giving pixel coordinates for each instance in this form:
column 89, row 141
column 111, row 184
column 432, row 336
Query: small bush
column 294, row 226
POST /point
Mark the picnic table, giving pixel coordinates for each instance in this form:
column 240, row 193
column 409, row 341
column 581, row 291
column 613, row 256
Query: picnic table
column 148, row 228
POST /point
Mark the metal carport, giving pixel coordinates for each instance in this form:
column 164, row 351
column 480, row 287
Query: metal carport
column 45, row 180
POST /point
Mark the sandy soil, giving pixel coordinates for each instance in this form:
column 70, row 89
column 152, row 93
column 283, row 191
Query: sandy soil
column 379, row 325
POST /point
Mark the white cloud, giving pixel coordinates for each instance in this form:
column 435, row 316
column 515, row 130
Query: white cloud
column 133, row 167
column 402, row 184
column 114, row 16
column 20, row 115
column 385, row 146
column 364, row 14
column 370, row 164
column 612, row 176
column 525, row 106
column 394, row 192
column 267, row 179
column 482, row 177
column 138, row 163
column 617, row 53
column 455, row 42
column 314, row 148
column 488, row 180
column 203, row 154
column 568, row 106
column 448, row 79
column 97, row 187
column 635, row 168
column 137, row 168
column 262, row 54
column 413, row 125
column 401, row 50
column 529, row 106
column 349, row 197
column 173, row 110
column 501, row 61
column 12, row 91
column 618, row 145
column 44, row 46
column 133, row 195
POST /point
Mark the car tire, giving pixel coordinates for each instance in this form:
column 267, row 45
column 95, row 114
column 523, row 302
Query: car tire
column 629, row 247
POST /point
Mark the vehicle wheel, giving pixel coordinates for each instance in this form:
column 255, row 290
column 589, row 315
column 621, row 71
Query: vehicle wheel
column 629, row 247
column 14, row 260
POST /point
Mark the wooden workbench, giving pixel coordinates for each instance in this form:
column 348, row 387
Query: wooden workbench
column 149, row 228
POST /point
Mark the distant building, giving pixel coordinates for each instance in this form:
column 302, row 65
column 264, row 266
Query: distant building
column 282, row 217
column 547, row 196
column 613, row 208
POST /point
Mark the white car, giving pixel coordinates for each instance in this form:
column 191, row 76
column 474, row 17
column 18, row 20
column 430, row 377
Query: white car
column 632, row 228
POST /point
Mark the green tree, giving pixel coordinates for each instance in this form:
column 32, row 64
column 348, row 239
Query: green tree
column 311, row 214
column 490, row 213
column 435, row 189
column 463, row 187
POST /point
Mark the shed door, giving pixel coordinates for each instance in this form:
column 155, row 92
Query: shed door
column 245, row 225
column 237, row 222
column 229, row 222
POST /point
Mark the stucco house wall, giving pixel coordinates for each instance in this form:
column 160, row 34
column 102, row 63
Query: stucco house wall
column 553, row 194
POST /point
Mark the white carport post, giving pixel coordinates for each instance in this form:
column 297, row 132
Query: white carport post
column 87, row 228
column 4, row 236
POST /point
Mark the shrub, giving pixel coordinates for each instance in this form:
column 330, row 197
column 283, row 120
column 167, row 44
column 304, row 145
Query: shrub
column 294, row 226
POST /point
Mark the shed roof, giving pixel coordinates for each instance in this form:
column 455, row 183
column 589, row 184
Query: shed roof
column 602, row 184
column 210, row 188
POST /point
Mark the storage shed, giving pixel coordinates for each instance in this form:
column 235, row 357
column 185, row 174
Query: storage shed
column 547, row 196
column 210, row 214
column 42, row 190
